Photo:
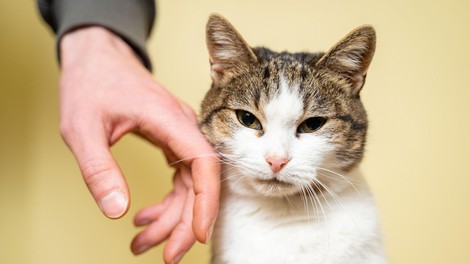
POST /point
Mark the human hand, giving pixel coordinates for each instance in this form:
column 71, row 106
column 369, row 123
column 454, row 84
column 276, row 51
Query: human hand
column 105, row 92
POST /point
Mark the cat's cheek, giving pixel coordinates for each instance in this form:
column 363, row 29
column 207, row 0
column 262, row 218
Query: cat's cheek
column 241, row 150
column 247, row 146
column 312, row 149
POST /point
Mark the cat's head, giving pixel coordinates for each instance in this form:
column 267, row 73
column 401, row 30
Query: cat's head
column 282, row 121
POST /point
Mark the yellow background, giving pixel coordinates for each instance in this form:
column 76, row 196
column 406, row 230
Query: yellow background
column 417, row 95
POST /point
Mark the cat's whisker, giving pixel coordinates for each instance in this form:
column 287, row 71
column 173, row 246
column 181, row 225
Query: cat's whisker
column 317, row 199
column 340, row 179
column 233, row 176
column 229, row 168
column 196, row 156
column 342, row 176
column 328, row 189
column 239, row 178
column 305, row 203
column 352, row 182
column 228, row 156
column 237, row 161
column 313, row 202
column 251, row 169
column 288, row 200
column 321, row 205
column 227, row 162
column 319, row 188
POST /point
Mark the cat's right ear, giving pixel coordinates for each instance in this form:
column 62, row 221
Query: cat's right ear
column 229, row 54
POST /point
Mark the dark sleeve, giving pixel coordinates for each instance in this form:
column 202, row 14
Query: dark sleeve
column 132, row 20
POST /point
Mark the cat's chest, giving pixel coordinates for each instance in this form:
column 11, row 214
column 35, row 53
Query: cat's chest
column 264, row 231
column 271, row 226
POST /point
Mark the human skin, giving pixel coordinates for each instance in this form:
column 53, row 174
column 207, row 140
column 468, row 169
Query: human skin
column 105, row 93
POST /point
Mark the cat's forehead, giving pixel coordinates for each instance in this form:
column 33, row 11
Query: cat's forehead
column 290, row 85
column 286, row 107
column 278, row 72
column 275, row 87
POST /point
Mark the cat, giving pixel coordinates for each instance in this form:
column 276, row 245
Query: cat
column 290, row 129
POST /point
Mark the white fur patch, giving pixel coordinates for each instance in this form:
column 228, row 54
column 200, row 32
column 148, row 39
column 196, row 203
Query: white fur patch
column 282, row 114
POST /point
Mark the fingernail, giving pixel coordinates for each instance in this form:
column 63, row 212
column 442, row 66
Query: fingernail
column 141, row 249
column 209, row 233
column 143, row 222
column 178, row 258
column 114, row 204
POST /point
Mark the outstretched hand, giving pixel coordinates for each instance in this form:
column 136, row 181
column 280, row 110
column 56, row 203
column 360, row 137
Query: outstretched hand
column 105, row 92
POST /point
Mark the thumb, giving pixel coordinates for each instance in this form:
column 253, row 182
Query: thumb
column 99, row 169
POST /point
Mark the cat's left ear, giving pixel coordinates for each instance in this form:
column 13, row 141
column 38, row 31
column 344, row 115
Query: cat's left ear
column 351, row 56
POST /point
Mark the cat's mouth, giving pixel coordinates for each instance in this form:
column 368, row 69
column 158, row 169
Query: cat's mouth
column 274, row 182
column 273, row 186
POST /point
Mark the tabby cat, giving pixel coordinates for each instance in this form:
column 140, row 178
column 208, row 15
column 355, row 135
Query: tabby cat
column 290, row 129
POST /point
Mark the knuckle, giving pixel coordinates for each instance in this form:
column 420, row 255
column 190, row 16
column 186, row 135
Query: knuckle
column 96, row 171
column 183, row 228
column 65, row 129
column 68, row 131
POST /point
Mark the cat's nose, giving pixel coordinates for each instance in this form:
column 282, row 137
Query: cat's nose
column 277, row 163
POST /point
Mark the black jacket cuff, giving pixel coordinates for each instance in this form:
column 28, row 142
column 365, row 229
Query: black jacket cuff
column 132, row 20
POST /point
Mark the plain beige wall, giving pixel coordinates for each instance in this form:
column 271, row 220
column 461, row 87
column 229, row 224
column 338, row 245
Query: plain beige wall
column 417, row 95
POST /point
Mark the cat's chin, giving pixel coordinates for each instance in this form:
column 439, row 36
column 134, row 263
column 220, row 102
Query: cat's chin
column 274, row 187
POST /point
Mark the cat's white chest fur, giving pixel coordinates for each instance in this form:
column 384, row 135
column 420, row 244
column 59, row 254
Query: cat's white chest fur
column 261, row 230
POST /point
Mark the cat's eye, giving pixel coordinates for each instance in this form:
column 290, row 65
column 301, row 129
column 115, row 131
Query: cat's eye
column 248, row 119
column 311, row 125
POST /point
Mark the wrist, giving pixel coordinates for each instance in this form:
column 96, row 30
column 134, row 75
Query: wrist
column 93, row 40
